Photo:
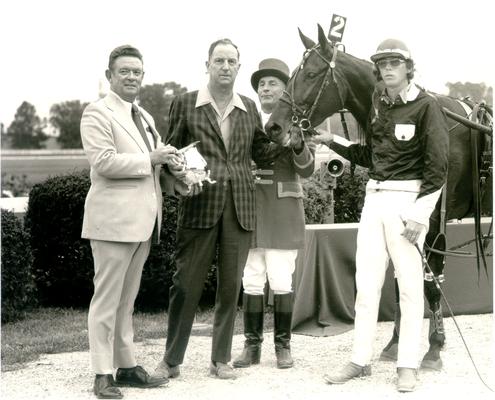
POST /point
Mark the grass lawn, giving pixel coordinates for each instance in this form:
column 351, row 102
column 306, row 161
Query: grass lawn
column 58, row 330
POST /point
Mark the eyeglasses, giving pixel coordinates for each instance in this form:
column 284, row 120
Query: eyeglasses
column 124, row 73
column 393, row 62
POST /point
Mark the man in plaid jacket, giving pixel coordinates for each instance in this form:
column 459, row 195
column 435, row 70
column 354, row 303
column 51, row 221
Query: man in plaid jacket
column 228, row 128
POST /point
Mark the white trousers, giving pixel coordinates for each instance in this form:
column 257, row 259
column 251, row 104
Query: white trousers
column 118, row 270
column 278, row 265
column 379, row 239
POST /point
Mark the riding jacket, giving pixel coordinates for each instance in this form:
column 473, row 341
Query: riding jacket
column 406, row 147
column 280, row 220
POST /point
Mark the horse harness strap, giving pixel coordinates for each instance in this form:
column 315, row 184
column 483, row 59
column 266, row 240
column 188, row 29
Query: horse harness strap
column 476, row 183
column 467, row 109
column 334, row 73
column 478, row 115
column 481, row 168
column 443, row 209
column 301, row 117
column 331, row 72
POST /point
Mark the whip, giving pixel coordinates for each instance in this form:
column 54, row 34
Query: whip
column 437, row 284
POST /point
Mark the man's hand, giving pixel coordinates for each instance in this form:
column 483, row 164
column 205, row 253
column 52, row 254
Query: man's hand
column 323, row 137
column 167, row 155
column 177, row 170
column 196, row 189
column 412, row 230
column 182, row 188
column 188, row 190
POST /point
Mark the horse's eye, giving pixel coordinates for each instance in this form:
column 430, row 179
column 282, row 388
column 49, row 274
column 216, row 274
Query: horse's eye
column 310, row 75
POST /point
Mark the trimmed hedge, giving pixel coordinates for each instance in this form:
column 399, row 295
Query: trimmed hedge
column 18, row 289
column 15, row 185
column 63, row 263
column 348, row 197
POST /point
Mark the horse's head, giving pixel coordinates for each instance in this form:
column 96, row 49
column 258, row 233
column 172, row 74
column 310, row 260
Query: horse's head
column 312, row 93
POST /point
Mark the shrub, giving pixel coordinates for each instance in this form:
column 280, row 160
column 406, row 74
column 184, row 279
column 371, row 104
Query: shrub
column 317, row 206
column 63, row 263
column 15, row 185
column 348, row 196
column 18, row 289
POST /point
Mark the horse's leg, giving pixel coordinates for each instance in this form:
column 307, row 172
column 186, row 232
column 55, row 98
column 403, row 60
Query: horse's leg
column 436, row 334
column 389, row 352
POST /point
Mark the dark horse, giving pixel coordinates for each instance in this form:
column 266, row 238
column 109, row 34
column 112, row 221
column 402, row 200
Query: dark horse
column 327, row 81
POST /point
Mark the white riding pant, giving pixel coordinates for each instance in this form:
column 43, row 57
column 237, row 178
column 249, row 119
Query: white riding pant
column 278, row 265
column 379, row 240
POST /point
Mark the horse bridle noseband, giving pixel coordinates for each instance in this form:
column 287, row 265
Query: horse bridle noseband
column 302, row 117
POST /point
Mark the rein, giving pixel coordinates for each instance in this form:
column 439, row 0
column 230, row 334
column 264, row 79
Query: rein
column 477, row 115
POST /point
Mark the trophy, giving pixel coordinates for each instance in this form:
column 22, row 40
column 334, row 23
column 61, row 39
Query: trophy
column 194, row 166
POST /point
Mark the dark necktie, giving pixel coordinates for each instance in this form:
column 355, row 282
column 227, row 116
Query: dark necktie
column 136, row 117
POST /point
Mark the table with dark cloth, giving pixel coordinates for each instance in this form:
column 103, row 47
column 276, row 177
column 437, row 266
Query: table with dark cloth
column 325, row 288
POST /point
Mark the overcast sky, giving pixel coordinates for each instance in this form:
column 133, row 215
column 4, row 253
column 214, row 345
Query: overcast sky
column 55, row 51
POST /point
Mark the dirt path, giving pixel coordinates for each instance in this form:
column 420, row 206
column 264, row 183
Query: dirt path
column 67, row 375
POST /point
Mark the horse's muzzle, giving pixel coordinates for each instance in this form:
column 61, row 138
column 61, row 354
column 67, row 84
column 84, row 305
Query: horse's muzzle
column 276, row 133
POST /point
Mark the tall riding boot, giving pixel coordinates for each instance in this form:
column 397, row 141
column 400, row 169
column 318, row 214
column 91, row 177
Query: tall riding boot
column 253, row 331
column 282, row 332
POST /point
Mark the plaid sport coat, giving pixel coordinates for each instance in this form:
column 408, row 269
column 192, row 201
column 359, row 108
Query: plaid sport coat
column 247, row 142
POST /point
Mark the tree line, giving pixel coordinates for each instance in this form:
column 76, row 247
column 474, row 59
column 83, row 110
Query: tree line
column 26, row 131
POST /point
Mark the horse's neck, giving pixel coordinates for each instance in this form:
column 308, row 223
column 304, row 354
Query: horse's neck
column 359, row 83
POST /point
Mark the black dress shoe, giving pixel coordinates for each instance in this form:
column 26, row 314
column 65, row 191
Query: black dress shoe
column 104, row 388
column 137, row 377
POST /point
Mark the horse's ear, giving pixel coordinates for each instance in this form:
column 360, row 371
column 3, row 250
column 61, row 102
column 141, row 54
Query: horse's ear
column 308, row 43
column 322, row 39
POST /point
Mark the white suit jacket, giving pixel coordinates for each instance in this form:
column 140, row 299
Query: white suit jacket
column 125, row 197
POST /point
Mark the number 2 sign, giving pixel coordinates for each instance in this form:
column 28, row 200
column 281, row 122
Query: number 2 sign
column 337, row 28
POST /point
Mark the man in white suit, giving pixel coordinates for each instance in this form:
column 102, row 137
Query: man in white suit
column 121, row 216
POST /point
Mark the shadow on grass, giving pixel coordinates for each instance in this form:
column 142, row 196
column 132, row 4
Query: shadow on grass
column 59, row 330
